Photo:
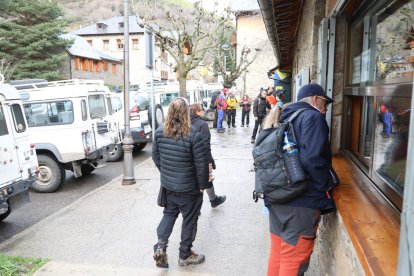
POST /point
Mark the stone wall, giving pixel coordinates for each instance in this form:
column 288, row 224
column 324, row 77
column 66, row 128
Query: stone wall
column 252, row 33
column 334, row 253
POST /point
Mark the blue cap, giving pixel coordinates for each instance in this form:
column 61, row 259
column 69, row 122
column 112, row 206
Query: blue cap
column 312, row 89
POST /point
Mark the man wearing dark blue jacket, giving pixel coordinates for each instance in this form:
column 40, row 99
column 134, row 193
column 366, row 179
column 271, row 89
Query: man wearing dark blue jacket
column 293, row 225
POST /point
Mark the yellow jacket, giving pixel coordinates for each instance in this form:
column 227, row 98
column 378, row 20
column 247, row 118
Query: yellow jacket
column 232, row 102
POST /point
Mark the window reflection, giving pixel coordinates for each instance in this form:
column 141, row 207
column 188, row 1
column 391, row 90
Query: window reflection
column 395, row 42
column 391, row 140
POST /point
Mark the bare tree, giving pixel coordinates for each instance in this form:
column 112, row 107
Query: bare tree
column 228, row 67
column 188, row 38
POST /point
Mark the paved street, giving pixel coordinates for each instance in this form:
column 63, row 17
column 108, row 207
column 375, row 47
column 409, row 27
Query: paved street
column 112, row 228
column 43, row 205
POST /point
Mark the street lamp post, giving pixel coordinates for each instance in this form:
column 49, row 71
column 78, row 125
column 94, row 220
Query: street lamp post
column 128, row 146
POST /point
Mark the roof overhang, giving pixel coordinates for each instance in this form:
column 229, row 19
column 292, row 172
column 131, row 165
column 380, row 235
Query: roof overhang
column 281, row 19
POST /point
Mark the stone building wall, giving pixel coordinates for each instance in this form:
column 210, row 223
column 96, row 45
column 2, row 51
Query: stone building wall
column 334, row 253
column 252, row 33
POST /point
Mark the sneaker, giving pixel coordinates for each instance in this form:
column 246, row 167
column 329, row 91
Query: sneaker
column 242, row 125
column 160, row 256
column 193, row 259
column 217, row 201
column 234, row 125
column 247, row 125
column 252, row 141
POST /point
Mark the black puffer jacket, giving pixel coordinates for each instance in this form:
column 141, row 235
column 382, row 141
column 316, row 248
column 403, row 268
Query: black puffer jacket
column 183, row 163
column 201, row 126
column 260, row 107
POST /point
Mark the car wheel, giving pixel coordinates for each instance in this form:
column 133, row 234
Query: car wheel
column 51, row 175
column 5, row 215
column 159, row 116
column 115, row 154
column 209, row 115
column 139, row 147
column 86, row 169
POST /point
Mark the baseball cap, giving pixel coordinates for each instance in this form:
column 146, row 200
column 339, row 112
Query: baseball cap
column 312, row 89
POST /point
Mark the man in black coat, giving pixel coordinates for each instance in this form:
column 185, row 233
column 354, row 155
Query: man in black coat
column 181, row 155
column 260, row 108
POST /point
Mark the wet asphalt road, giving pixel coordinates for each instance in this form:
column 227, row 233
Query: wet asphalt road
column 43, row 205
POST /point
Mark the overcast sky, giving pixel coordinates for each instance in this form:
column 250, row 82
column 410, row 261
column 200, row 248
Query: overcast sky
column 234, row 4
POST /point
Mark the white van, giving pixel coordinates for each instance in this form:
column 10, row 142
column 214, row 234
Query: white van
column 71, row 127
column 18, row 162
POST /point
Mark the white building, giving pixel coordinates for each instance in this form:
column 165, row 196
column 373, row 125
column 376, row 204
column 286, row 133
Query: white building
column 108, row 36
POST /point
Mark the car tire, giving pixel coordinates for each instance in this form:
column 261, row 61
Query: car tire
column 116, row 153
column 86, row 169
column 51, row 175
column 159, row 116
column 5, row 215
column 139, row 147
column 209, row 115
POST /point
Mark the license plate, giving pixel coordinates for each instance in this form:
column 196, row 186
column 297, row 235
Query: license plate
column 147, row 128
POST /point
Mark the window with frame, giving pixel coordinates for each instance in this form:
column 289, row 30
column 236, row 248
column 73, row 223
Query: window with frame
column 84, row 110
column 105, row 44
column 113, row 67
column 3, row 124
column 18, row 118
column 49, row 113
column 135, row 43
column 120, row 43
column 97, row 107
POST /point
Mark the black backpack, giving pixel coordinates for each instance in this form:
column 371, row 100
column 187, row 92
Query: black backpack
column 213, row 103
column 273, row 170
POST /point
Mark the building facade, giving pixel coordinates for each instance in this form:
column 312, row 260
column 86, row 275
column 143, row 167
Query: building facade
column 251, row 32
column 84, row 62
column 108, row 36
column 362, row 53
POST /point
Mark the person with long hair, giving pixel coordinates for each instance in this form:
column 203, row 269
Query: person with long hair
column 181, row 156
column 197, row 111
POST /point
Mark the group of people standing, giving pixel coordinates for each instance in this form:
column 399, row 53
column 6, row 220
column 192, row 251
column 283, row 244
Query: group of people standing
column 182, row 153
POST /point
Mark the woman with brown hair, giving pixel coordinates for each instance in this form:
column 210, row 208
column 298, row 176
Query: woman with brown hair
column 181, row 156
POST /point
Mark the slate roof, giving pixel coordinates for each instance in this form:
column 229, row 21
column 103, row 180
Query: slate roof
column 111, row 26
column 82, row 48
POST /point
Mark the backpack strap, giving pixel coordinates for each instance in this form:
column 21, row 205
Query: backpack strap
column 294, row 115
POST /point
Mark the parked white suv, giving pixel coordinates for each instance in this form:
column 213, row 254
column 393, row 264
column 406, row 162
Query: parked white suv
column 71, row 127
column 18, row 163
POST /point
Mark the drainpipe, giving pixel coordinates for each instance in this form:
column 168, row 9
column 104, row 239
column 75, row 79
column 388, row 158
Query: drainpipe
column 266, row 7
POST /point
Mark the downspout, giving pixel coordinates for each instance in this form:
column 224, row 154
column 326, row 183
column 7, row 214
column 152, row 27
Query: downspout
column 266, row 7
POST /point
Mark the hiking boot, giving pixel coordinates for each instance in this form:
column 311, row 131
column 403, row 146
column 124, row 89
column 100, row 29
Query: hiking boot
column 192, row 259
column 234, row 125
column 217, row 201
column 160, row 256
column 242, row 125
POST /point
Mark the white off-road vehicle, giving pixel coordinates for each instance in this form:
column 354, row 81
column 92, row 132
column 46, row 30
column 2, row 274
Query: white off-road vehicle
column 18, row 162
column 71, row 127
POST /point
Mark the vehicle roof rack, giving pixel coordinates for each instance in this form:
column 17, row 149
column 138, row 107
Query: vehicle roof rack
column 35, row 84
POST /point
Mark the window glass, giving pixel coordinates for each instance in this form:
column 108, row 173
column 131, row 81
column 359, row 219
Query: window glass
column 97, row 106
column 141, row 101
column 19, row 123
column 394, row 34
column 3, row 125
column 49, row 113
column 84, row 110
column 168, row 97
column 109, row 104
column 355, row 63
column 391, row 139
